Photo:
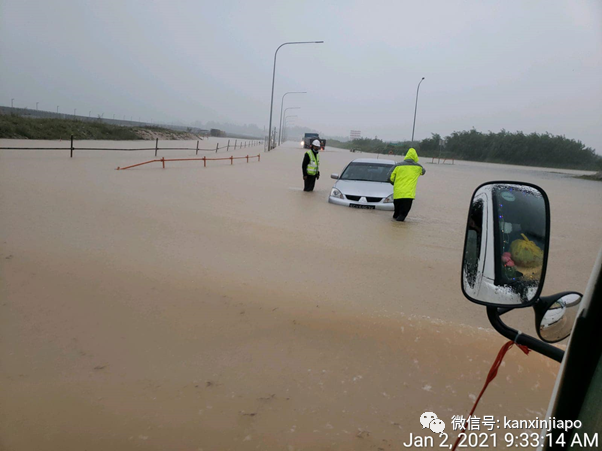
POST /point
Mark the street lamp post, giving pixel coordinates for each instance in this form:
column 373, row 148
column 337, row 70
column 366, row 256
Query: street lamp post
column 89, row 113
column 11, row 102
column 290, row 108
column 287, row 120
column 37, row 105
column 287, row 123
column 415, row 108
column 274, row 78
column 57, row 109
column 74, row 110
column 281, row 105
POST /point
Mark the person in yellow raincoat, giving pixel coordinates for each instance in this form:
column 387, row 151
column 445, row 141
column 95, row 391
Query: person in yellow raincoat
column 404, row 179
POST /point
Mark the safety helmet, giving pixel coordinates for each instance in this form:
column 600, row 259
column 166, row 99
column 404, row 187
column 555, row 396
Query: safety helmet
column 316, row 143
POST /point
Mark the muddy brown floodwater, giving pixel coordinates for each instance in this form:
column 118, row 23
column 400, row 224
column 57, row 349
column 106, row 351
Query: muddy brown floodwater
column 222, row 308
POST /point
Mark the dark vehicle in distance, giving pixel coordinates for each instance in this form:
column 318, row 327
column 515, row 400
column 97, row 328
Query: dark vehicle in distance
column 308, row 138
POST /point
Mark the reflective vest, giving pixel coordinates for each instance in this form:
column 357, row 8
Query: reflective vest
column 405, row 176
column 314, row 162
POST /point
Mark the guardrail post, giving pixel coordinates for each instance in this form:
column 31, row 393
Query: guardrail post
column 235, row 141
column 216, row 147
column 247, row 158
column 228, row 148
column 163, row 161
column 71, row 146
column 156, row 146
column 231, row 160
column 204, row 162
column 197, row 147
column 258, row 157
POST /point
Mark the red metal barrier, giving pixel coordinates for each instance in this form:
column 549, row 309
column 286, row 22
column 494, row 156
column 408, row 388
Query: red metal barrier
column 204, row 160
column 444, row 160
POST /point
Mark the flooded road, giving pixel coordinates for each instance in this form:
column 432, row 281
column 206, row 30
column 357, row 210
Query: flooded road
column 224, row 308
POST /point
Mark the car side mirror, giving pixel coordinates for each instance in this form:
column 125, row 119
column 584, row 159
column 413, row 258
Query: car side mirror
column 334, row 176
column 506, row 244
column 555, row 316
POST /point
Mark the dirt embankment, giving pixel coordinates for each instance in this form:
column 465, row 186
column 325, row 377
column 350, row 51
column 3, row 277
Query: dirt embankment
column 17, row 127
column 597, row 176
column 146, row 133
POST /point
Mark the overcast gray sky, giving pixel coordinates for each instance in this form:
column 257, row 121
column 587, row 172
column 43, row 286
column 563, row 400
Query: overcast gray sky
column 514, row 65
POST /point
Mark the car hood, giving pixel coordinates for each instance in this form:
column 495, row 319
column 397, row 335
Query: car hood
column 358, row 188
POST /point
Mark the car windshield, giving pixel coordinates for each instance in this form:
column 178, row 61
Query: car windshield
column 369, row 172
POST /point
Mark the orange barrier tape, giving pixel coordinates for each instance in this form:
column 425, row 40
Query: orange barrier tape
column 204, row 160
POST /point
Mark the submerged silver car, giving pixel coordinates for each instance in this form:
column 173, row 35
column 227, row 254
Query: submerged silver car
column 364, row 183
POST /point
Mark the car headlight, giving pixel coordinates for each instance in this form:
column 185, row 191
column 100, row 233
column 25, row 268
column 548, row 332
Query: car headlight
column 388, row 199
column 302, row 143
column 336, row 193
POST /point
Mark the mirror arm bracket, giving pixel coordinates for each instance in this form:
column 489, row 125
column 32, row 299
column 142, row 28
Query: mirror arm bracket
column 523, row 339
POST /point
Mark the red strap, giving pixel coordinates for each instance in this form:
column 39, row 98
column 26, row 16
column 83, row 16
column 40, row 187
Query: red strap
column 490, row 377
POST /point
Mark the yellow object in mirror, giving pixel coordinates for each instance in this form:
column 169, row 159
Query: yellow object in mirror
column 526, row 253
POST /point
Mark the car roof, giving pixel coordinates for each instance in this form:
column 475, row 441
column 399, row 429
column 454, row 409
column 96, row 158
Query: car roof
column 373, row 160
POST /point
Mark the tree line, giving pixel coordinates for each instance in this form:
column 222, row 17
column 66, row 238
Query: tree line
column 535, row 149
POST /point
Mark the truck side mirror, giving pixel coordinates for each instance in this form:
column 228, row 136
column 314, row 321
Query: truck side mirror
column 506, row 244
column 555, row 316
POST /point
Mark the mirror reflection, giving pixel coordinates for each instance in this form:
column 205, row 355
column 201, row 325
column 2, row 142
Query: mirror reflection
column 505, row 244
column 521, row 237
column 557, row 322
